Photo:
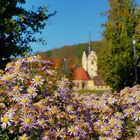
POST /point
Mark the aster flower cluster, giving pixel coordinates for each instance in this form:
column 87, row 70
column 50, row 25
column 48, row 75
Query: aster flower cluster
column 115, row 116
column 36, row 102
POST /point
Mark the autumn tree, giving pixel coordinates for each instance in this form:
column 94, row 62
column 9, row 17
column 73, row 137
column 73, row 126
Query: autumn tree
column 116, row 63
column 18, row 27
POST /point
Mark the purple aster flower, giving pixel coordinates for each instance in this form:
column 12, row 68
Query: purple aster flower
column 24, row 100
column 117, row 132
column 28, row 121
column 111, row 100
column 60, row 133
column 11, row 111
column 69, row 108
column 128, row 112
column 17, row 88
column 136, row 115
column 32, row 92
column 42, row 123
column 37, row 80
column 7, row 77
column 73, row 130
column 63, row 85
column 24, row 137
column 6, row 120
column 105, row 129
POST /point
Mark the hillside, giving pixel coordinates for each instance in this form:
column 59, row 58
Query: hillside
column 72, row 53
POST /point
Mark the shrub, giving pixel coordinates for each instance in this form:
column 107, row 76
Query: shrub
column 36, row 102
column 116, row 115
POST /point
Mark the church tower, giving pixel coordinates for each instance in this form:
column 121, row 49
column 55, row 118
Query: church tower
column 92, row 64
column 89, row 62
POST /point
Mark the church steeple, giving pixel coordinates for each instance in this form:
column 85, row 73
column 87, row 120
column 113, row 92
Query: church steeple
column 89, row 43
column 89, row 60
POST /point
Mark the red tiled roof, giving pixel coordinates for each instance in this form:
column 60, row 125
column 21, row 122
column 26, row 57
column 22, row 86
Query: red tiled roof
column 80, row 74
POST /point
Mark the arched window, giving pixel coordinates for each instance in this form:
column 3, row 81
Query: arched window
column 92, row 62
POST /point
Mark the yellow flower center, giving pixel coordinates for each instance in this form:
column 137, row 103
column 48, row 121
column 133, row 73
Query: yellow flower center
column 11, row 92
column 24, row 100
column 30, row 91
column 103, row 138
column 137, row 98
column 28, row 120
column 16, row 87
column 120, row 122
column 100, row 122
column 41, row 122
column 8, row 77
column 96, row 103
column 72, row 116
column 51, row 120
column 30, row 58
column 23, row 138
column 126, row 96
column 59, row 133
column 16, row 65
column 5, row 119
column 37, row 79
column 128, row 110
column 119, row 114
column 8, row 64
column 10, row 111
column 110, row 99
column 46, row 133
column 112, row 121
column 103, row 102
column 63, row 85
column 72, row 129
column 104, row 129
column 70, row 108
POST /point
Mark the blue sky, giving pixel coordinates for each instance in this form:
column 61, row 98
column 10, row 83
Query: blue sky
column 72, row 22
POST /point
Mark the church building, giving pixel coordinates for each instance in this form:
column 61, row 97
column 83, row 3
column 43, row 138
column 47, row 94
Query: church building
column 89, row 62
column 86, row 77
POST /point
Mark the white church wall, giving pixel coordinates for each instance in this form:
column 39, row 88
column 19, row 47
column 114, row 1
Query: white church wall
column 92, row 68
column 89, row 63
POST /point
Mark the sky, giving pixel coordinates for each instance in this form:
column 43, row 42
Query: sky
column 72, row 22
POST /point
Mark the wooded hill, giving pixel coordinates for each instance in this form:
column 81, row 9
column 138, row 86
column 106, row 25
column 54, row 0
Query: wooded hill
column 72, row 53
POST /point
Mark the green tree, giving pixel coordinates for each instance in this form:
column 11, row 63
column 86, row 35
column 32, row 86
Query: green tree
column 137, row 30
column 18, row 27
column 116, row 63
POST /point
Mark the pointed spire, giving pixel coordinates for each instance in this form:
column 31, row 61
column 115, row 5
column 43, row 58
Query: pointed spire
column 84, row 54
column 89, row 43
